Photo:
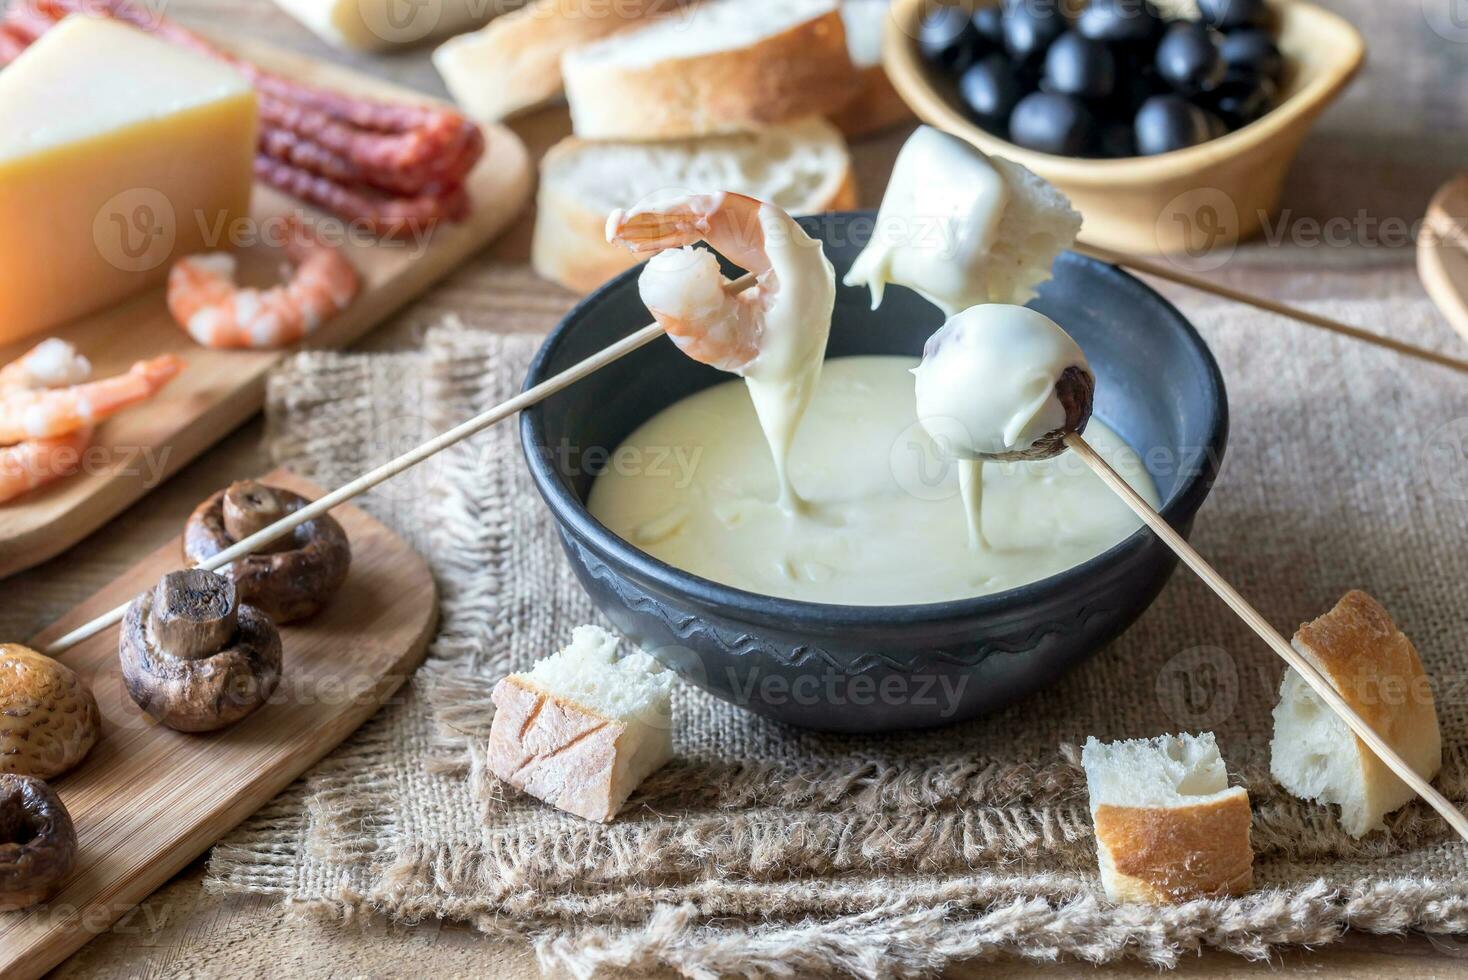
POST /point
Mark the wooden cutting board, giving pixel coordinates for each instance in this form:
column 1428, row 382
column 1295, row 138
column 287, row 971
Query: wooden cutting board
column 219, row 390
column 148, row 800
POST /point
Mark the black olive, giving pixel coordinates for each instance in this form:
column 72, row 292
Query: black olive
column 989, row 22
column 946, row 38
column 1229, row 14
column 1030, row 26
column 1253, row 51
column 1077, row 66
column 1188, row 59
column 1116, row 140
column 1053, row 123
column 990, row 90
column 1242, row 99
column 1170, row 122
column 1119, row 21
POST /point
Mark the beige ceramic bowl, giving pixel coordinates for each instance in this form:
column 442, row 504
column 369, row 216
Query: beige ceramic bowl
column 1187, row 201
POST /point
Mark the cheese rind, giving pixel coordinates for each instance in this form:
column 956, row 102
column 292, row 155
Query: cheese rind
column 119, row 152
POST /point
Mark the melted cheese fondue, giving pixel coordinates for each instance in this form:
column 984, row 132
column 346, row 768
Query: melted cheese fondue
column 986, row 387
column 696, row 487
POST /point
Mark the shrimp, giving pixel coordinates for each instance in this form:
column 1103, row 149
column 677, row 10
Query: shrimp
column 774, row 333
column 52, row 363
column 683, row 287
column 35, row 462
column 44, row 413
column 204, row 299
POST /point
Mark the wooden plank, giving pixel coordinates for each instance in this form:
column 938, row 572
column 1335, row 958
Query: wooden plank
column 148, row 800
column 218, row 390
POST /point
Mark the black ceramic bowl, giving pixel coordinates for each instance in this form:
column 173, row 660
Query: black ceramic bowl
column 880, row 668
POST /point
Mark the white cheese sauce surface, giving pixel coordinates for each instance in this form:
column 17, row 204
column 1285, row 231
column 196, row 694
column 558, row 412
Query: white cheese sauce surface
column 696, row 487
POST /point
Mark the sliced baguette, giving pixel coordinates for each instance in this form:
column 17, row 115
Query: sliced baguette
column 379, row 25
column 876, row 105
column 582, row 729
column 1377, row 670
column 803, row 167
column 515, row 63
column 1168, row 826
column 721, row 66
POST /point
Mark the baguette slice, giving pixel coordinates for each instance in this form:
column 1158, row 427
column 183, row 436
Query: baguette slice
column 1377, row 670
column 1168, row 826
column 380, row 25
column 515, row 62
column 721, row 66
column 582, row 729
column 802, row 167
column 876, row 105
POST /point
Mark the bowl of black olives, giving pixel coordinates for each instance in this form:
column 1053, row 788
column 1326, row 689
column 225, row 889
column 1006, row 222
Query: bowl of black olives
column 1169, row 123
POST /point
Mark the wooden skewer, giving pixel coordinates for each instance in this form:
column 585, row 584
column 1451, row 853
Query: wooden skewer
column 1256, row 621
column 1270, row 306
column 409, row 459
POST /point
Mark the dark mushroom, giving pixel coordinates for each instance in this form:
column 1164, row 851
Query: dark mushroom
column 1075, row 389
column 194, row 658
column 289, row 580
column 37, row 842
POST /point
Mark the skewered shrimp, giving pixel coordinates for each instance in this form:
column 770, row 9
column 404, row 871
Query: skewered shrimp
column 774, row 333
column 204, row 299
column 35, row 462
column 43, row 413
column 684, row 290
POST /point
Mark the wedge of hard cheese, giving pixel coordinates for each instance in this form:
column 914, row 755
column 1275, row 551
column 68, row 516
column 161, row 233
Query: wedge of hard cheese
column 582, row 729
column 118, row 153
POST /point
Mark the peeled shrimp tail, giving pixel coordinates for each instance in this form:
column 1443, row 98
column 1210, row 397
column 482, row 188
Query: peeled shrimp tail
column 52, row 363
column 50, row 412
column 37, row 462
column 205, row 300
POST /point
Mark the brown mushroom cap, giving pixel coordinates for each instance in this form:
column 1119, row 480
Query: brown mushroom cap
column 1076, row 389
column 295, row 577
column 193, row 658
column 48, row 717
column 37, row 842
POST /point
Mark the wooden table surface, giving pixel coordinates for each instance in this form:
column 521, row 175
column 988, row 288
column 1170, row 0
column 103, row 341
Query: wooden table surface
column 1361, row 183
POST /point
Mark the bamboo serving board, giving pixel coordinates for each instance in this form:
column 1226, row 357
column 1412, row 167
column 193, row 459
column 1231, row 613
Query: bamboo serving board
column 1442, row 252
column 148, row 800
column 219, row 390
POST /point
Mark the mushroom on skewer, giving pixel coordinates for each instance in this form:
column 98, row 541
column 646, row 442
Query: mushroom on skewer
column 289, row 580
column 37, row 842
column 193, row 657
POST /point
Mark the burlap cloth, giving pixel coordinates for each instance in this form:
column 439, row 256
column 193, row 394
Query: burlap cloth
column 765, row 849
